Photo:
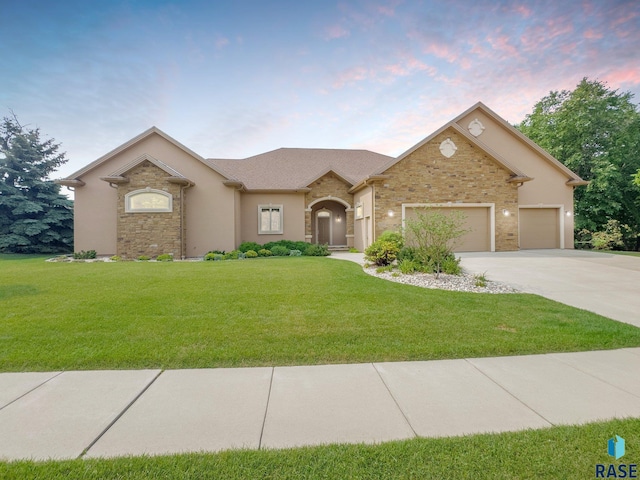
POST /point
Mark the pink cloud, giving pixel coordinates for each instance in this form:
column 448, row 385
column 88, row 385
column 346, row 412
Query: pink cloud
column 351, row 75
column 624, row 76
column 591, row 34
column 623, row 19
column 523, row 10
column 408, row 67
column 502, row 44
column 335, row 31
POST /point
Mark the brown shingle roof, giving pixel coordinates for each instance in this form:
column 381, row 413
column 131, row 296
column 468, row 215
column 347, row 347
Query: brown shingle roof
column 295, row 168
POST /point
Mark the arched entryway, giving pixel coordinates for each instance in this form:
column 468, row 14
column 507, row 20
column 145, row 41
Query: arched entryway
column 329, row 223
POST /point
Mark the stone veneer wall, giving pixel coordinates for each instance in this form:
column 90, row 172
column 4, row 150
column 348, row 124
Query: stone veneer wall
column 469, row 176
column 329, row 185
column 148, row 233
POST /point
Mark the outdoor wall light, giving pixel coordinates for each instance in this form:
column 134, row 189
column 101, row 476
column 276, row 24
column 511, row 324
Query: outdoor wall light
column 568, row 214
column 506, row 212
column 390, row 213
column 339, row 218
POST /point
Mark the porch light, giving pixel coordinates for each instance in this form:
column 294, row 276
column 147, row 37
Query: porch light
column 339, row 218
column 568, row 214
column 390, row 213
column 506, row 212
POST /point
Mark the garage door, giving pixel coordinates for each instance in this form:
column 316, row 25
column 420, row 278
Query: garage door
column 478, row 223
column 539, row 228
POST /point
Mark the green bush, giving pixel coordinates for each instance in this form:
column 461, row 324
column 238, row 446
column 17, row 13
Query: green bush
column 353, row 250
column 407, row 253
column 144, row 258
column 116, row 258
column 250, row 254
column 382, row 252
column 314, row 250
column 221, row 252
column 407, row 266
column 165, row 257
column 295, row 253
column 615, row 236
column 288, row 244
column 279, row 251
column 386, row 268
column 234, row 255
column 451, row 265
column 246, row 246
column 82, row 255
column 217, row 257
column 263, row 252
column 392, row 236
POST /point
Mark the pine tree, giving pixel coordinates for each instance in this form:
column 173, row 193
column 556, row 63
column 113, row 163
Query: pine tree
column 34, row 216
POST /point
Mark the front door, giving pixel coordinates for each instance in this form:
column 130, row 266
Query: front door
column 323, row 227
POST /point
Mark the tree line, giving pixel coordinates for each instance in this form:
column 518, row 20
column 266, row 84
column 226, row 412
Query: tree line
column 593, row 130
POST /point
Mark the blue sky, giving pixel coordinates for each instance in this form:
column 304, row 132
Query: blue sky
column 231, row 79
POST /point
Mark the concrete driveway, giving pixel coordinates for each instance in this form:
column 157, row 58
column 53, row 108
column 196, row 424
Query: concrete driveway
column 599, row 282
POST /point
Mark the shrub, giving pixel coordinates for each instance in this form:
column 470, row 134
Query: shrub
column 250, row 254
column 209, row 257
column 407, row 253
column 221, row 252
column 392, row 236
column 314, row 250
column 295, row 253
column 450, row 265
column 280, row 251
column 407, row 266
column 382, row 252
column 217, row 257
column 233, row 255
column 82, row 255
column 116, row 258
column 288, row 244
column 144, row 258
column 353, row 250
column 263, row 252
column 246, row 246
column 165, row 257
column 615, row 236
column 212, row 257
column 435, row 235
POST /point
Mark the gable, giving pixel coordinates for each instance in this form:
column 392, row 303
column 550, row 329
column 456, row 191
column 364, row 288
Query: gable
column 493, row 132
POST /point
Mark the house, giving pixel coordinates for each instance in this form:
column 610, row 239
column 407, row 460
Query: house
column 153, row 195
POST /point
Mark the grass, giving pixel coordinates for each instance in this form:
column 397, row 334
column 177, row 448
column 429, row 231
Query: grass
column 556, row 453
column 621, row 252
column 277, row 311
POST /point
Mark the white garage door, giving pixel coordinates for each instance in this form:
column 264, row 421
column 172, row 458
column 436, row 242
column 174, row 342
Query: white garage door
column 539, row 228
column 477, row 221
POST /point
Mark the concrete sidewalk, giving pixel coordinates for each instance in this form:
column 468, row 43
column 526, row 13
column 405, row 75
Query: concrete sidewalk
column 64, row 415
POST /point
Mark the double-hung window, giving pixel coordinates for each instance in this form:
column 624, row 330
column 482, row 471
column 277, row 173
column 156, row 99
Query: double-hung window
column 270, row 219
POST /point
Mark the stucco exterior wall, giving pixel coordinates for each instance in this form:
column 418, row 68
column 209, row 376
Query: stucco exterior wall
column 548, row 186
column 211, row 206
column 469, row 176
column 293, row 220
column 363, row 229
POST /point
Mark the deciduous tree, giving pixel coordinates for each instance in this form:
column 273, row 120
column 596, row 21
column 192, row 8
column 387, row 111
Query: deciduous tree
column 595, row 131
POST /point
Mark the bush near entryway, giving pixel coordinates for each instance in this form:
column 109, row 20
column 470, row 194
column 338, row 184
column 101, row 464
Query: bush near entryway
column 385, row 249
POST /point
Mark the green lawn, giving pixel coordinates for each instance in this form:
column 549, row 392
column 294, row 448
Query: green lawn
column 554, row 453
column 278, row 311
column 620, row 252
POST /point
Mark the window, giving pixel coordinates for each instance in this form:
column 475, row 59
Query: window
column 148, row 200
column 269, row 219
column 359, row 210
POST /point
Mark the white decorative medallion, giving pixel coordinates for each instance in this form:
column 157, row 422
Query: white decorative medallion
column 448, row 148
column 476, row 127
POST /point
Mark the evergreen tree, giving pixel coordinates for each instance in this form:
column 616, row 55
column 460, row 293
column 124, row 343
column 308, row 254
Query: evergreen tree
column 34, row 216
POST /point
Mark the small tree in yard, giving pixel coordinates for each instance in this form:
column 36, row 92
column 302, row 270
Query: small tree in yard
column 34, row 216
column 434, row 235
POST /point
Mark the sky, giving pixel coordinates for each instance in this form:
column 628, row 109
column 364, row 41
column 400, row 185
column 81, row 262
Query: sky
column 232, row 79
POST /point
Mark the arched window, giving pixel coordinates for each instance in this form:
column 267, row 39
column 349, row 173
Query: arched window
column 148, row 200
